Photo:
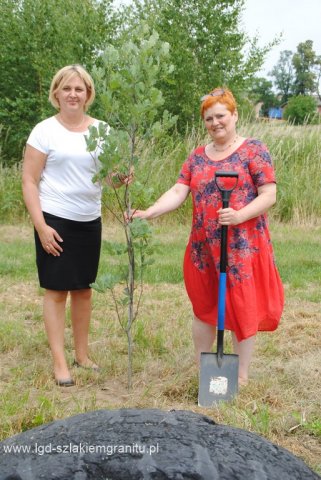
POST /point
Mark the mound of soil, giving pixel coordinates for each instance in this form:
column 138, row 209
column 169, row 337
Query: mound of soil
column 133, row 444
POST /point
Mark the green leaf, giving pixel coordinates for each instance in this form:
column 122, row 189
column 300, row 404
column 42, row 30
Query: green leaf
column 124, row 301
column 98, row 287
column 106, row 282
column 140, row 228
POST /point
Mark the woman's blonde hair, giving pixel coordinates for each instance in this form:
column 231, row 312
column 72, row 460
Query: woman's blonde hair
column 63, row 76
column 219, row 95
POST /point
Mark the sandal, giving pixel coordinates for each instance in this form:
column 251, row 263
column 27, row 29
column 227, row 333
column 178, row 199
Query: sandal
column 85, row 367
column 65, row 383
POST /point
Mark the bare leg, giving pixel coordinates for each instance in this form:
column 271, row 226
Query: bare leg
column 203, row 336
column 54, row 316
column 80, row 318
column 245, row 350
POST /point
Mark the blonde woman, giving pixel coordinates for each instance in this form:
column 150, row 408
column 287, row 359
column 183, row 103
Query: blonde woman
column 65, row 208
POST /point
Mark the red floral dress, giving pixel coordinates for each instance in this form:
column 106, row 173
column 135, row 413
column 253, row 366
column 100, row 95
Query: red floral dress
column 254, row 293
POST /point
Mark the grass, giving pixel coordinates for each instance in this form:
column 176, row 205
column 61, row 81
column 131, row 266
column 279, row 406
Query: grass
column 295, row 152
column 284, row 406
column 298, row 250
column 11, row 203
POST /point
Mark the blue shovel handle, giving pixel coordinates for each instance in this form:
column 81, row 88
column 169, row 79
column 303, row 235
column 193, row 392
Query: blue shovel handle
column 221, row 301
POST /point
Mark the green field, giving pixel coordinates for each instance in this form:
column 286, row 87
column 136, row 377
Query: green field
column 283, row 407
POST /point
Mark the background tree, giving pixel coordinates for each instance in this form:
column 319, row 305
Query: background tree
column 304, row 62
column 207, row 49
column 37, row 38
column 283, row 74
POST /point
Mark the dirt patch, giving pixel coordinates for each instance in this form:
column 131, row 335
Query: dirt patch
column 8, row 233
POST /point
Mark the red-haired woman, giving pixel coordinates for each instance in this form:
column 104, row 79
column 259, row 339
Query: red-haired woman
column 254, row 296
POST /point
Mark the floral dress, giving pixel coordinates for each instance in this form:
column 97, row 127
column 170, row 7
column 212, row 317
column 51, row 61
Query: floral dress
column 254, row 293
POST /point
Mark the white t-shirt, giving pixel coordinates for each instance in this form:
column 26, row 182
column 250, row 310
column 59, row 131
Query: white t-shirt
column 66, row 188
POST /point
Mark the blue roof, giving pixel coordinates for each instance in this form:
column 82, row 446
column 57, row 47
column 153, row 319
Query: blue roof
column 275, row 112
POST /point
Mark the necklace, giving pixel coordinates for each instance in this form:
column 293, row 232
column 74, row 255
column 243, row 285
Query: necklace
column 227, row 147
column 71, row 127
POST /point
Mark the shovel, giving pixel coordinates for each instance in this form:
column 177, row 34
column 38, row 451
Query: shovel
column 218, row 371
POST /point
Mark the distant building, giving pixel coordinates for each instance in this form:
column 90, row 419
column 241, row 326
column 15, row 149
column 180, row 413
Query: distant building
column 257, row 110
column 275, row 113
column 318, row 103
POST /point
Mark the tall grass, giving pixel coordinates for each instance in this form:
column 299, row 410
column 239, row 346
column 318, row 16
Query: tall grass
column 296, row 152
column 12, row 207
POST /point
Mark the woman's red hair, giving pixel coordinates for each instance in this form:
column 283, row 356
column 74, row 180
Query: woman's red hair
column 219, row 95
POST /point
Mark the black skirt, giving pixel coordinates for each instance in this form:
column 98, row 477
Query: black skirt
column 76, row 267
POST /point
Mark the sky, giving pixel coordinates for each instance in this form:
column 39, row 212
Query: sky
column 297, row 20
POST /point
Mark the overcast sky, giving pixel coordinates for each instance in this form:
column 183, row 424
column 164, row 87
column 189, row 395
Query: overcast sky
column 298, row 20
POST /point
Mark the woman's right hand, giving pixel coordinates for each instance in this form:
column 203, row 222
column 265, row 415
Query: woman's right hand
column 136, row 214
column 49, row 239
column 139, row 214
column 170, row 200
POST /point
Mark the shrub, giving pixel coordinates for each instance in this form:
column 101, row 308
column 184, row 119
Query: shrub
column 300, row 110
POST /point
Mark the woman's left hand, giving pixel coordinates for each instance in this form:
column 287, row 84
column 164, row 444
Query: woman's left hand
column 229, row 216
column 265, row 199
column 116, row 180
column 126, row 179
